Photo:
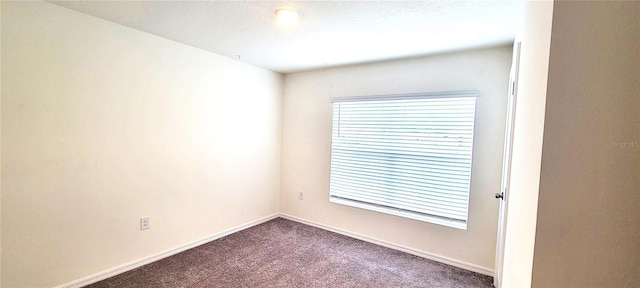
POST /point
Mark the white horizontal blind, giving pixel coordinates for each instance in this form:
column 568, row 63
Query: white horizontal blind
column 408, row 155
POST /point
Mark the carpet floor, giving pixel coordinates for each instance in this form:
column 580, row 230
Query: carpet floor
column 284, row 253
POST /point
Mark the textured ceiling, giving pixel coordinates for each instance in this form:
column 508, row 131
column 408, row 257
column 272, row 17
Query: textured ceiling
column 328, row 33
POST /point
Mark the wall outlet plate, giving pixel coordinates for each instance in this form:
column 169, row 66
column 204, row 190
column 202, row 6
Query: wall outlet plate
column 144, row 223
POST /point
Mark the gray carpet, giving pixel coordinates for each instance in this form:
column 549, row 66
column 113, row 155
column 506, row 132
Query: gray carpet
column 283, row 253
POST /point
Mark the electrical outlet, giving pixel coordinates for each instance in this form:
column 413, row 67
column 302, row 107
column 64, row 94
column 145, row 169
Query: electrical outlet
column 300, row 195
column 144, row 223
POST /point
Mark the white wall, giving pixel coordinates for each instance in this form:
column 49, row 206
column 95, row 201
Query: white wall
column 103, row 124
column 306, row 148
column 527, row 145
column 588, row 230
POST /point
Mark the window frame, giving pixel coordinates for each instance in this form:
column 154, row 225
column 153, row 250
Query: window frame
column 456, row 223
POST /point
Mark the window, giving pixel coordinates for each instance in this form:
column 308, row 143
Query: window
column 406, row 155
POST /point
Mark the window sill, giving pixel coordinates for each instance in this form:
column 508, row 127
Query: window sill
column 400, row 212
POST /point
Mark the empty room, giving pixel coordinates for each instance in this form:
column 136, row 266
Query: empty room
column 319, row 144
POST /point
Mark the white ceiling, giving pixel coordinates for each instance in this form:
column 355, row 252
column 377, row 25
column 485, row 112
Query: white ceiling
column 328, row 33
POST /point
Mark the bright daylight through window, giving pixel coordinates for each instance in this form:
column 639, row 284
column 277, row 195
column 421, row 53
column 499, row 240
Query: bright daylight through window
column 406, row 155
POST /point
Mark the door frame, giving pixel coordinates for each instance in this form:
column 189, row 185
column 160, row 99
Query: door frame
column 506, row 163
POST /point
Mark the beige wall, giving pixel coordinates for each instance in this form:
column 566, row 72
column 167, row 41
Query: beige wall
column 588, row 232
column 0, row 145
column 307, row 146
column 103, row 124
column 520, row 232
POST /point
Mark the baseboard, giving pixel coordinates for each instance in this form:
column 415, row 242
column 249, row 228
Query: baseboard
column 155, row 257
column 158, row 256
column 427, row 255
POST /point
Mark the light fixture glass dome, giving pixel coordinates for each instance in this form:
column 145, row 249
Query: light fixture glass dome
column 286, row 16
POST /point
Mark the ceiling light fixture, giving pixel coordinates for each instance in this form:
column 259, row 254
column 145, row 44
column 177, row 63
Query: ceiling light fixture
column 286, row 16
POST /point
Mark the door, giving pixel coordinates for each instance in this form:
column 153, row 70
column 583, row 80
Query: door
column 503, row 195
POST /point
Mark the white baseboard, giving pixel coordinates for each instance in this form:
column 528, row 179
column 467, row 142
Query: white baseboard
column 155, row 257
column 442, row 259
column 158, row 256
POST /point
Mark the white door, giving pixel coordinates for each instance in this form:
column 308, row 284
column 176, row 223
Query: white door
column 506, row 164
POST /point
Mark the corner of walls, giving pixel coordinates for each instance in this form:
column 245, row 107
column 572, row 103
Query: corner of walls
column 283, row 79
column 526, row 159
column 0, row 143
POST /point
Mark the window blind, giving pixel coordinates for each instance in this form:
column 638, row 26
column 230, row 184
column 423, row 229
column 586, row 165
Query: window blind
column 407, row 155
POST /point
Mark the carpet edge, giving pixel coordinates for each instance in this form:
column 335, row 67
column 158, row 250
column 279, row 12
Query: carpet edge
column 431, row 256
column 93, row 278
